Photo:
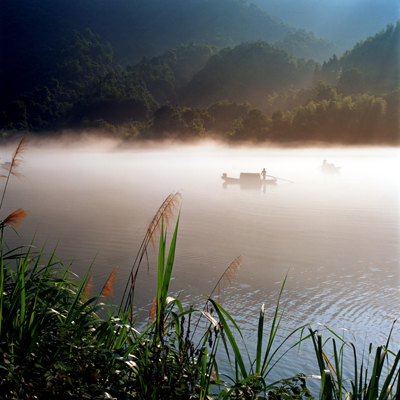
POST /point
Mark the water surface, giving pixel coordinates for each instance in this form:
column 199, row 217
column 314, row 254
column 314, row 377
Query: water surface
column 335, row 236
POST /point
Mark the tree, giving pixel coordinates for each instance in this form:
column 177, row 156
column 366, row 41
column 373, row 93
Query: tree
column 351, row 81
column 168, row 119
column 330, row 70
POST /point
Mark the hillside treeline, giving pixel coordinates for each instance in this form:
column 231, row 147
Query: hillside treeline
column 326, row 116
column 31, row 30
column 261, row 93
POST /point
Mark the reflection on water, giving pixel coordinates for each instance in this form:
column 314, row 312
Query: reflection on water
column 335, row 235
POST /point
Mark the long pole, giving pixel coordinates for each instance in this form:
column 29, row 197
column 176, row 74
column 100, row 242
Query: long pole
column 271, row 176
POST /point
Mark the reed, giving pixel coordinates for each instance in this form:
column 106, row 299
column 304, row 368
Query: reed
column 108, row 288
column 250, row 377
column 378, row 383
column 164, row 213
column 52, row 341
column 16, row 217
column 229, row 276
column 88, row 286
column 16, row 161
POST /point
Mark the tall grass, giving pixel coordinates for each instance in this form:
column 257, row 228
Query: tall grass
column 249, row 377
column 52, row 342
column 380, row 380
column 164, row 213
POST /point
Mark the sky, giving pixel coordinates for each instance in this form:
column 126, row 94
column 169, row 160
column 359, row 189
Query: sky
column 343, row 21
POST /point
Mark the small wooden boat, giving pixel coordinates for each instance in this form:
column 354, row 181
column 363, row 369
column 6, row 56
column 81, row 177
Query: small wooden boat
column 329, row 167
column 248, row 179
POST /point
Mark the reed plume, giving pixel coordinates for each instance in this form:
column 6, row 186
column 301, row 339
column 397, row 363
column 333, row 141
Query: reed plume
column 18, row 157
column 165, row 212
column 108, row 287
column 16, row 161
column 88, row 286
column 229, row 275
column 152, row 314
column 15, row 218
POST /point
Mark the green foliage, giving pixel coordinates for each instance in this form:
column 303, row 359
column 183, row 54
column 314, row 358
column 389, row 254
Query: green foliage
column 134, row 29
column 323, row 115
column 212, row 91
column 82, row 58
column 115, row 98
column 393, row 116
column 294, row 388
column 176, row 66
column 376, row 384
column 351, row 82
column 223, row 113
column 323, row 92
column 59, row 69
column 255, row 127
column 168, row 119
column 287, row 100
column 307, row 45
column 194, row 123
column 334, row 118
column 330, row 71
column 252, row 382
column 377, row 58
column 79, row 61
column 50, row 336
column 247, row 73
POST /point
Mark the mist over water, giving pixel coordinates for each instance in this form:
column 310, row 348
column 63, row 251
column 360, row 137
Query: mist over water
column 336, row 236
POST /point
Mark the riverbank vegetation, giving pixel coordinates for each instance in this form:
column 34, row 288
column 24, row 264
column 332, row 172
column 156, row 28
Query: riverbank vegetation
column 54, row 344
column 57, row 340
column 275, row 84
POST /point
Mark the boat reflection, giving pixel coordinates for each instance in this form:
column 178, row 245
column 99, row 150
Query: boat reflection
column 248, row 181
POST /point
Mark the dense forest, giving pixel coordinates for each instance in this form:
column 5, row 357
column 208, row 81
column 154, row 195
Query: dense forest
column 122, row 68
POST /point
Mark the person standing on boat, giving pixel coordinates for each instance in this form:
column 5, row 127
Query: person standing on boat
column 325, row 164
column 264, row 173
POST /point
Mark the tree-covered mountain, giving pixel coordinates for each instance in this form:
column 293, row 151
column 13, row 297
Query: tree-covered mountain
column 249, row 72
column 377, row 58
column 255, row 90
column 307, row 45
column 86, row 85
column 32, row 30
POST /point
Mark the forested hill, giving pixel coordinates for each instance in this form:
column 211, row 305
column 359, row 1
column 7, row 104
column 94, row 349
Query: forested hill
column 255, row 90
column 31, row 32
column 377, row 58
column 30, row 29
column 250, row 73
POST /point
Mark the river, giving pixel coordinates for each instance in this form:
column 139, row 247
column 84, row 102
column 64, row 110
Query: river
column 336, row 237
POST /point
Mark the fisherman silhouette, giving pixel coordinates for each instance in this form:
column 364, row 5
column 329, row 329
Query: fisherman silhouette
column 264, row 173
column 325, row 164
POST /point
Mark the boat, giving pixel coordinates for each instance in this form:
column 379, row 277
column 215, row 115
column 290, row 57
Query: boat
column 248, row 179
column 329, row 167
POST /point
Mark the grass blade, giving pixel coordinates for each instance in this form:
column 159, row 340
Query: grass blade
column 260, row 332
